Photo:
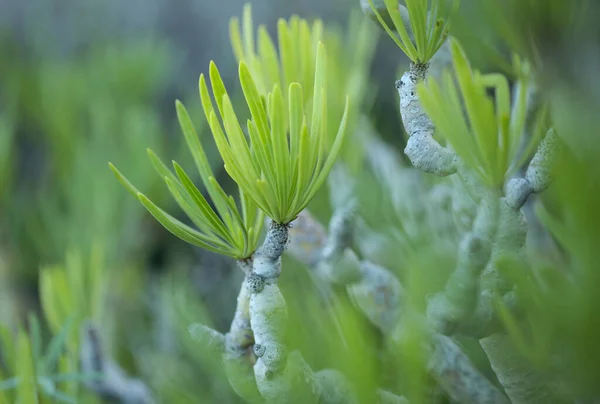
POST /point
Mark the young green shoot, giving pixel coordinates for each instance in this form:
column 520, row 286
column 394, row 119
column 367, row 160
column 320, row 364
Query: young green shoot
column 429, row 26
column 485, row 131
column 292, row 60
column 227, row 230
column 280, row 169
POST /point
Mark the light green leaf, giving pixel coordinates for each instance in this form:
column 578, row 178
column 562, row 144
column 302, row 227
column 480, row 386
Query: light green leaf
column 215, row 223
column 8, row 346
column 218, row 86
column 128, row 186
column 409, row 47
column 57, row 345
column 197, row 150
column 337, row 145
column 177, row 228
column 235, row 38
column 268, row 56
column 25, row 371
column 280, row 144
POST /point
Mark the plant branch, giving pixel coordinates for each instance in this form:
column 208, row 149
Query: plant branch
column 451, row 367
column 235, row 347
column 422, row 149
column 382, row 301
column 283, row 377
column 538, row 175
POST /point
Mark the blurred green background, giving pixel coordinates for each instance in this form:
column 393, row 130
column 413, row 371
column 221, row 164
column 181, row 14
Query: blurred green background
column 85, row 82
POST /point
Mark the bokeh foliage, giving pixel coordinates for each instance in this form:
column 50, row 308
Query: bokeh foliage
column 74, row 246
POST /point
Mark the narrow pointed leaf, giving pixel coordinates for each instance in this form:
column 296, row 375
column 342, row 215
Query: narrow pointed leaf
column 235, row 38
column 128, row 185
column 212, row 219
column 335, row 149
column 177, row 228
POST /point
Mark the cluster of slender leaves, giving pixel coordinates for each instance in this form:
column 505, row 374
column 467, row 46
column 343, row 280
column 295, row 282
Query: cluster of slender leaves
column 349, row 55
column 279, row 173
column 291, row 61
column 76, row 288
column 37, row 373
column 487, row 134
column 70, row 294
column 225, row 231
column 557, row 326
column 429, row 26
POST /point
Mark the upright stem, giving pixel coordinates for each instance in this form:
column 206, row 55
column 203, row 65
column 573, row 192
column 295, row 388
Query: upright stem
column 422, row 149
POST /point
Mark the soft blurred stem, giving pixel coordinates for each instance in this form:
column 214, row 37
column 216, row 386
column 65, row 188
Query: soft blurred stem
column 380, row 296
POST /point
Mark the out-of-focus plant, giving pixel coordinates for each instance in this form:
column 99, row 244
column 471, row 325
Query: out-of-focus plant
column 490, row 124
column 39, row 373
column 75, row 289
column 73, row 292
column 349, row 56
column 504, row 291
column 79, row 207
column 70, row 114
column 429, row 26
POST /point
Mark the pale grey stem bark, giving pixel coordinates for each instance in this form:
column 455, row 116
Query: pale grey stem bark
column 447, row 309
column 511, row 233
column 517, row 376
column 283, row 377
column 235, row 347
column 422, row 149
column 538, row 175
column 451, row 367
column 374, row 289
column 114, row 384
column 238, row 356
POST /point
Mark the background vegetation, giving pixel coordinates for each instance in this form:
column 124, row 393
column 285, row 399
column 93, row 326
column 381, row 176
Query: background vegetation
column 87, row 82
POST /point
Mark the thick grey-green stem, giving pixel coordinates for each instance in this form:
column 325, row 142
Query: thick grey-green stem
column 451, row 367
column 538, row 175
column 238, row 356
column 375, row 290
column 235, row 347
column 506, row 235
column 447, row 309
column 422, row 149
column 283, row 377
